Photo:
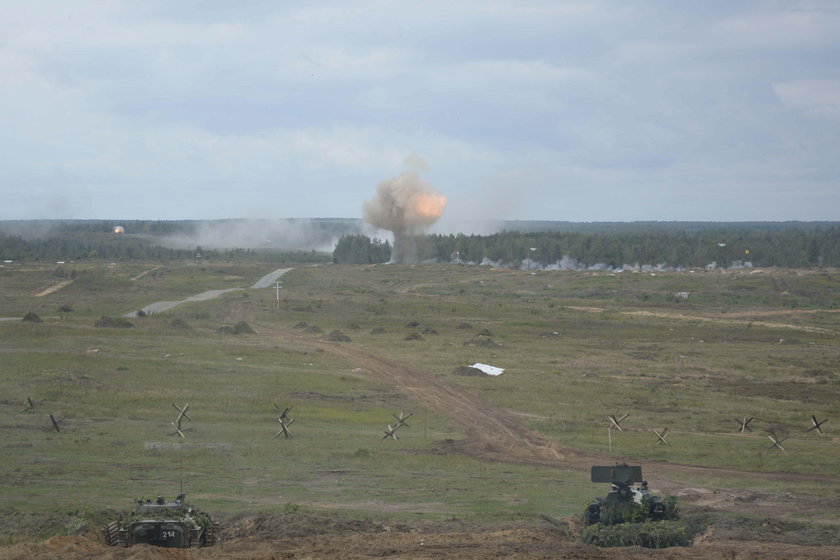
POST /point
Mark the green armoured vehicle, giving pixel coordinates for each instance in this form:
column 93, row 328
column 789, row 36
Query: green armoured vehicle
column 630, row 515
column 625, row 502
column 162, row 523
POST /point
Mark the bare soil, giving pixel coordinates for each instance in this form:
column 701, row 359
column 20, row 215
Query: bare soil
column 523, row 544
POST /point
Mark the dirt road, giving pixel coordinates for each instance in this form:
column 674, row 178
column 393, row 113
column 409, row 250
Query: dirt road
column 160, row 306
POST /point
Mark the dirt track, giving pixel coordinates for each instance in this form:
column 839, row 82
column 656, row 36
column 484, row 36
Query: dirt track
column 493, row 433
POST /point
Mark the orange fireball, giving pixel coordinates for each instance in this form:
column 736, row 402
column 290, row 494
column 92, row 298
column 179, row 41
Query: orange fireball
column 426, row 207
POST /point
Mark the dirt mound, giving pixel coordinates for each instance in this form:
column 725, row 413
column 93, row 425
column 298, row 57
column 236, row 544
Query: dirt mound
column 482, row 342
column 464, row 326
column 243, row 328
column 111, row 322
column 429, row 330
column 338, row 336
column 178, row 324
column 354, row 326
column 300, row 326
column 415, row 336
column 378, row 330
column 468, row 371
column 240, row 328
column 32, row 317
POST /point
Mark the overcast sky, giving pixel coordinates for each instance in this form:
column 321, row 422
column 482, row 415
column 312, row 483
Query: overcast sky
column 549, row 110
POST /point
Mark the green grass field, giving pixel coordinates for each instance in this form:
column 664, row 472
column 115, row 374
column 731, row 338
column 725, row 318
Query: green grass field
column 576, row 347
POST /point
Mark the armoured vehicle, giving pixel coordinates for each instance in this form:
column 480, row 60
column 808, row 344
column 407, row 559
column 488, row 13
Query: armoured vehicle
column 162, row 523
column 625, row 502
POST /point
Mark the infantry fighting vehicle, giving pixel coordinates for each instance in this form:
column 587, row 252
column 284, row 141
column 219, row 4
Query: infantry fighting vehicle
column 625, row 502
column 162, row 523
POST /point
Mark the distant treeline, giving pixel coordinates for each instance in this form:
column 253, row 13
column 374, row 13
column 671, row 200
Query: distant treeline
column 79, row 240
column 521, row 245
column 793, row 247
column 84, row 246
column 81, row 247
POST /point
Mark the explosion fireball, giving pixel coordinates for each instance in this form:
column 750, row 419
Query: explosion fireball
column 405, row 205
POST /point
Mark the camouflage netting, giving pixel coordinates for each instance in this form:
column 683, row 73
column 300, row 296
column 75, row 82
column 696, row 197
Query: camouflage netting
column 650, row 534
column 630, row 524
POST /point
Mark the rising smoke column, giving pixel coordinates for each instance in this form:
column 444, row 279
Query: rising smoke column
column 405, row 205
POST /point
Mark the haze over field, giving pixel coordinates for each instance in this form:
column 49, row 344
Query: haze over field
column 535, row 110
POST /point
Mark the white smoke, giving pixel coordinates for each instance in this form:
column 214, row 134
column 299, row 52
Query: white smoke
column 260, row 234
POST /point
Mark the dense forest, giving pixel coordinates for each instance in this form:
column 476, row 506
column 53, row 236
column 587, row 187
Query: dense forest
column 523, row 245
column 665, row 248
column 361, row 249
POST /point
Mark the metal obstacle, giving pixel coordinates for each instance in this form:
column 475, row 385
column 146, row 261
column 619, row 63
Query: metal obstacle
column 744, row 424
column 31, row 405
column 616, row 423
column 55, row 423
column 391, row 431
column 816, row 425
column 182, row 414
column 662, row 436
column 777, row 442
column 285, row 422
column 401, row 420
